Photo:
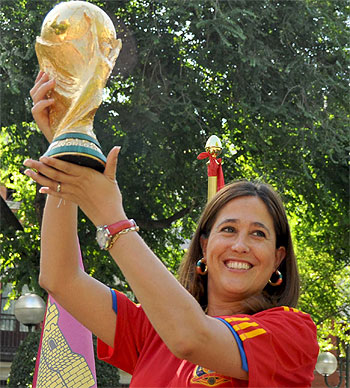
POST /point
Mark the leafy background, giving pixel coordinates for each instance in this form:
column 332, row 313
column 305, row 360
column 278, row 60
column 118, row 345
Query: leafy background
column 270, row 78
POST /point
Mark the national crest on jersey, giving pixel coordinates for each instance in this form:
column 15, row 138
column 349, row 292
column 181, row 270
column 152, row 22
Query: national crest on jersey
column 207, row 378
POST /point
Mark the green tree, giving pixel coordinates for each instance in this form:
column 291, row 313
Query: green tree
column 23, row 364
column 268, row 77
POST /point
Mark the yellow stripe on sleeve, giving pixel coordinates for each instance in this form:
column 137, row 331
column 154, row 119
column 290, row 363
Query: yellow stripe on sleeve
column 244, row 325
column 251, row 334
column 294, row 310
column 237, row 319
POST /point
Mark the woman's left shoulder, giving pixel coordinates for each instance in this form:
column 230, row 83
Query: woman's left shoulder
column 289, row 337
column 283, row 311
column 284, row 318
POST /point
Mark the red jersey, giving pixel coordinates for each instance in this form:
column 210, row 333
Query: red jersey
column 279, row 345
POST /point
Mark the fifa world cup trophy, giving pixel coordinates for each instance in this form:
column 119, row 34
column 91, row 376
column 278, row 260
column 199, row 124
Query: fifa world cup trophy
column 78, row 48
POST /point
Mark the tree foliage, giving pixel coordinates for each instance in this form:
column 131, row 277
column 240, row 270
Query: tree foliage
column 23, row 364
column 270, row 78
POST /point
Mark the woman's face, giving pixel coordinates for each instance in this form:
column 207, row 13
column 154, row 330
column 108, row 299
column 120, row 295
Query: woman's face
column 241, row 250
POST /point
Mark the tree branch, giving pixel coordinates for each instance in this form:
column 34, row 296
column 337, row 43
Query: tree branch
column 149, row 224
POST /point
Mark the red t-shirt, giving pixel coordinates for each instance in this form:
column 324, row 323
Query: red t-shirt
column 279, row 344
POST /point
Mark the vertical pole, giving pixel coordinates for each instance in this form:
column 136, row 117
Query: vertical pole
column 212, row 186
column 213, row 147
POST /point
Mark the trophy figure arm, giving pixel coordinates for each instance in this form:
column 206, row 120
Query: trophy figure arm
column 80, row 115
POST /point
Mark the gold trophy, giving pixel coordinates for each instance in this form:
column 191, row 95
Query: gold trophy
column 78, row 48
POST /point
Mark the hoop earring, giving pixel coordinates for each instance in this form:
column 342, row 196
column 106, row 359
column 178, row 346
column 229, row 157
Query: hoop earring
column 279, row 281
column 199, row 266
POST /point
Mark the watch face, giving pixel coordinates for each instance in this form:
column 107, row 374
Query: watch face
column 102, row 237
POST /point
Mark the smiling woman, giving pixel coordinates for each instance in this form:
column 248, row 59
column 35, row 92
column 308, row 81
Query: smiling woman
column 225, row 323
column 241, row 252
column 229, row 219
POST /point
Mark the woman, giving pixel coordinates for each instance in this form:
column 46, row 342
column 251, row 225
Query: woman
column 221, row 325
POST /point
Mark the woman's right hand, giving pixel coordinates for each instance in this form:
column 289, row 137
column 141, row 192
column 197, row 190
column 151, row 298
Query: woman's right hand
column 97, row 194
column 41, row 103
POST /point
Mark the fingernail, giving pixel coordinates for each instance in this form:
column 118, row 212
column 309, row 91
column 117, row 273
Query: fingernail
column 25, row 163
column 27, row 172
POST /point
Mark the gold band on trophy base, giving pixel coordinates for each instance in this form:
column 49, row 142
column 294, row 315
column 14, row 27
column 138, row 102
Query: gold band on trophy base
column 78, row 148
column 78, row 48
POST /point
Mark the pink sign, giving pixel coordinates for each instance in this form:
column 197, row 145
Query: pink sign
column 66, row 354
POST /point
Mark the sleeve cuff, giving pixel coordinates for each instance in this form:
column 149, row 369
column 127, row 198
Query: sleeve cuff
column 114, row 300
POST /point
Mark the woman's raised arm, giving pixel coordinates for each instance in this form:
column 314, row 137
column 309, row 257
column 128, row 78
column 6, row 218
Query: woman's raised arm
column 84, row 297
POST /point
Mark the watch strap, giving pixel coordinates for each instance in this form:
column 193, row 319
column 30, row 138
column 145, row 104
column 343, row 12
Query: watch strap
column 134, row 228
column 117, row 227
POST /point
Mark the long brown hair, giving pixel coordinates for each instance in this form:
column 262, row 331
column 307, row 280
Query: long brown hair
column 287, row 293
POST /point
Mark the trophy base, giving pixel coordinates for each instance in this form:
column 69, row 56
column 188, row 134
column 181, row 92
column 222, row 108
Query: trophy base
column 78, row 148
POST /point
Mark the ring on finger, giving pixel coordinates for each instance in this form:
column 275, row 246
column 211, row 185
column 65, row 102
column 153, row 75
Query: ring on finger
column 58, row 189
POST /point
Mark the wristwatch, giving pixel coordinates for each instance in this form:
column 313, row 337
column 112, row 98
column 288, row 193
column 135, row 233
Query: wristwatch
column 107, row 235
